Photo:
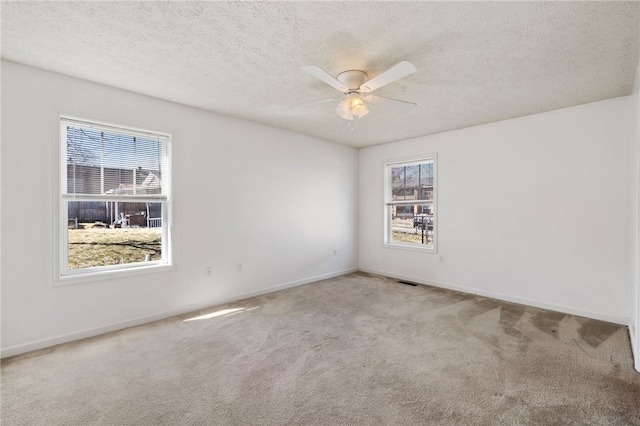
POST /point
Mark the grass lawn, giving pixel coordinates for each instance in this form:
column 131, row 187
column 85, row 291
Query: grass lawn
column 413, row 236
column 407, row 238
column 90, row 247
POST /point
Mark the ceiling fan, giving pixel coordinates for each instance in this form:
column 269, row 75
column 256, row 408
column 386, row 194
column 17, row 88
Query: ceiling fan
column 356, row 86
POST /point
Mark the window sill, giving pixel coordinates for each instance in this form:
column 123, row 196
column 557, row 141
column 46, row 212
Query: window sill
column 81, row 278
column 412, row 247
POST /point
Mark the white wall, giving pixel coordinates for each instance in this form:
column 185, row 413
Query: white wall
column 277, row 202
column 534, row 210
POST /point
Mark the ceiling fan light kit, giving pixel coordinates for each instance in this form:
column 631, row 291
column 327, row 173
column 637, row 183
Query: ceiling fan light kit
column 353, row 83
column 352, row 106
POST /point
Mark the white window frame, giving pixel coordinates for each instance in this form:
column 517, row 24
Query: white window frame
column 66, row 275
column 388, row 202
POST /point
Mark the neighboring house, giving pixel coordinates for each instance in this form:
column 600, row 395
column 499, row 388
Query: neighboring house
column 119, row 182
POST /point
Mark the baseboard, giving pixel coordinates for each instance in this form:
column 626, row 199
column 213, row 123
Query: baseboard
column 83, row 334
column 507, row 298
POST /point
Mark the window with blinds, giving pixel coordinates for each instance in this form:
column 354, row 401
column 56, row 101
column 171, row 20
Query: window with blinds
column 114, row 197
column 410, row 200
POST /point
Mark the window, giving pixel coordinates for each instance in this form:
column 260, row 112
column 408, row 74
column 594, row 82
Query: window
column 410, row 201
column 114, row 198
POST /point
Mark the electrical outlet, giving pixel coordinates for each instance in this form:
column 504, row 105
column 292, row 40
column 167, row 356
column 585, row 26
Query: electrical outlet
column 239, row 267
column 208, row 271
column 441, row 259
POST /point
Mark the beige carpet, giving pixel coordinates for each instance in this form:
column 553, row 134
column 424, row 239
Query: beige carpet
column 355, row 350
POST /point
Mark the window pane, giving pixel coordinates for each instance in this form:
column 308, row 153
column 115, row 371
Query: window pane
column 411, row 223
column 412, row 182
column 113, row 233
column 426, row 174
column 398, row 187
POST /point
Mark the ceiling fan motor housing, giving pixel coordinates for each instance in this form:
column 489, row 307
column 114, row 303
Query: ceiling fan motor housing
column 352, row 79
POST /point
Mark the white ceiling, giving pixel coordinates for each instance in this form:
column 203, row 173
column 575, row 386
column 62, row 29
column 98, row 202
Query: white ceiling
column 477, row 62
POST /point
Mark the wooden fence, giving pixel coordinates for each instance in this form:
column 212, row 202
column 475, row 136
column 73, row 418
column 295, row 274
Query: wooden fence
column 98, row 211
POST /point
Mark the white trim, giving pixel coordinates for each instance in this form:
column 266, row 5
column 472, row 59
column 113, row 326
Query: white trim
column 153, row 198
column 114, row 272
column 59, row 238
column 65, row 338
column 111, row 127
column 513, row 299
column 408, row 202
column 424, row 248
column 413, row 160
column 634, row 328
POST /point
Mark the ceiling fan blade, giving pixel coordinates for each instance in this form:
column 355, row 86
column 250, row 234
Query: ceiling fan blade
column 321, row 101
column 324, row 76
column 394, row 73
column 398, row 105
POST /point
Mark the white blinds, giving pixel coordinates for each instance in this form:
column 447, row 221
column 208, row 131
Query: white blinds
column 107, row 162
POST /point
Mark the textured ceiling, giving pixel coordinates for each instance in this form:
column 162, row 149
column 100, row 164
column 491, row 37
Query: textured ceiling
column 477, row 62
